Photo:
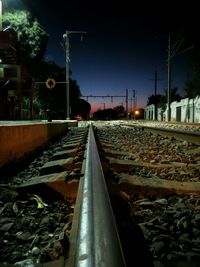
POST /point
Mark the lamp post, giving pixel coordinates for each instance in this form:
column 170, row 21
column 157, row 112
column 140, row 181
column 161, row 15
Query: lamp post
column 67, row 61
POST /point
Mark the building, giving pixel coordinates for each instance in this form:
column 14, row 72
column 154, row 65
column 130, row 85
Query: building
column 186, row 110
column 15, row 81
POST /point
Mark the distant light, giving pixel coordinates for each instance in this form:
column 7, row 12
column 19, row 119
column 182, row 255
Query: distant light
column 0, row 60
column 137, row 112
column 78, row 117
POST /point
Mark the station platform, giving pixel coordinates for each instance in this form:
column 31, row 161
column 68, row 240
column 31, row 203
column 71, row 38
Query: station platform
column 19, row 139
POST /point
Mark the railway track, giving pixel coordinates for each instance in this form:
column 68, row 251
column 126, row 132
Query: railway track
column 184, row 132
column 106, row 208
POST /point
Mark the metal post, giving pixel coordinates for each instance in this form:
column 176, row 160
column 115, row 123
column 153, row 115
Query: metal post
column 155, row 111
column 173, row 50
column 67, row 52
column 169, row 79
column 131, row 102
column 67, row 60
column 134, row 104
column 67, row 75
column 127, row 103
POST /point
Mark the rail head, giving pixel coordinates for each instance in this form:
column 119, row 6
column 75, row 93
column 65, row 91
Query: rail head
column 96, row 242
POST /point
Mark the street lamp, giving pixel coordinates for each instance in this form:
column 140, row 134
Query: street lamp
column 67, row 61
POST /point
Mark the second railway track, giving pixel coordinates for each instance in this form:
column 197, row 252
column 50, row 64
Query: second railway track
column 137, row 204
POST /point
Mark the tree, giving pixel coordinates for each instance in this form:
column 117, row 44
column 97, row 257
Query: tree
column 192, row 41
column 81, row 107
column 109, row 113
column 120, row 111
column 55, row 99
column 105, row 114
column 154, row 99
column 161, row 100
column 192, row 87
column 31, row 36
column 174, row 94
column 32, row 41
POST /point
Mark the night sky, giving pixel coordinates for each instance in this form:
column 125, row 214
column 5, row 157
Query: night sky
column 124, row 45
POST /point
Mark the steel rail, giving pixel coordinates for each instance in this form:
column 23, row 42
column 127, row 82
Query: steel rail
column 181, row 131
column 177, row 133
column 192, row 136
column 96, row 242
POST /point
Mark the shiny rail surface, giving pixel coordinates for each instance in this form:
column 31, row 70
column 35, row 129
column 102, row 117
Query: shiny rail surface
column 96, row 238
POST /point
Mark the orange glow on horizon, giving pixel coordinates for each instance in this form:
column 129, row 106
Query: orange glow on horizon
column 95, row 106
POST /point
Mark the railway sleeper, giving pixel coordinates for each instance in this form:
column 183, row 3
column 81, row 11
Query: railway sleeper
column 43, row 202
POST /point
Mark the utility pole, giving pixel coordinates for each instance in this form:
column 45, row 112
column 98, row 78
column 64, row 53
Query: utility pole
column 169, row 65
column 156, row 80
column 155, row 92
column 127, row 103
column 134, row 103
column 67, row 61
column 104, row 105
column 173, row 50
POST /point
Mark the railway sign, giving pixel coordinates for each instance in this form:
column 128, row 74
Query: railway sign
column 50, row 83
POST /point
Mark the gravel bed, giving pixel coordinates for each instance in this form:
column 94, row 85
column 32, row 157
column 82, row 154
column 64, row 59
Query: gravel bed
column 33, row 229
column 36, row 229
column 166, row 158
column 170, row 224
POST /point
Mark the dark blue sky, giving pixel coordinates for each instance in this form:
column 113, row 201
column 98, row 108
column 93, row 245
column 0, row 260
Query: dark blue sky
column 124, row 45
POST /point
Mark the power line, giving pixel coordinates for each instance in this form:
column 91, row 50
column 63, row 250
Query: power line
column 111, row 97
column 156, row 79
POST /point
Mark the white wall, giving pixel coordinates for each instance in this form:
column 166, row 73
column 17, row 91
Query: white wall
column 187, row 110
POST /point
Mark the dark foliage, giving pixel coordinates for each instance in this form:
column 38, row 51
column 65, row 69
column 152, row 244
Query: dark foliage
column 55, row 99
column 108, row 114
column 80, row 107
